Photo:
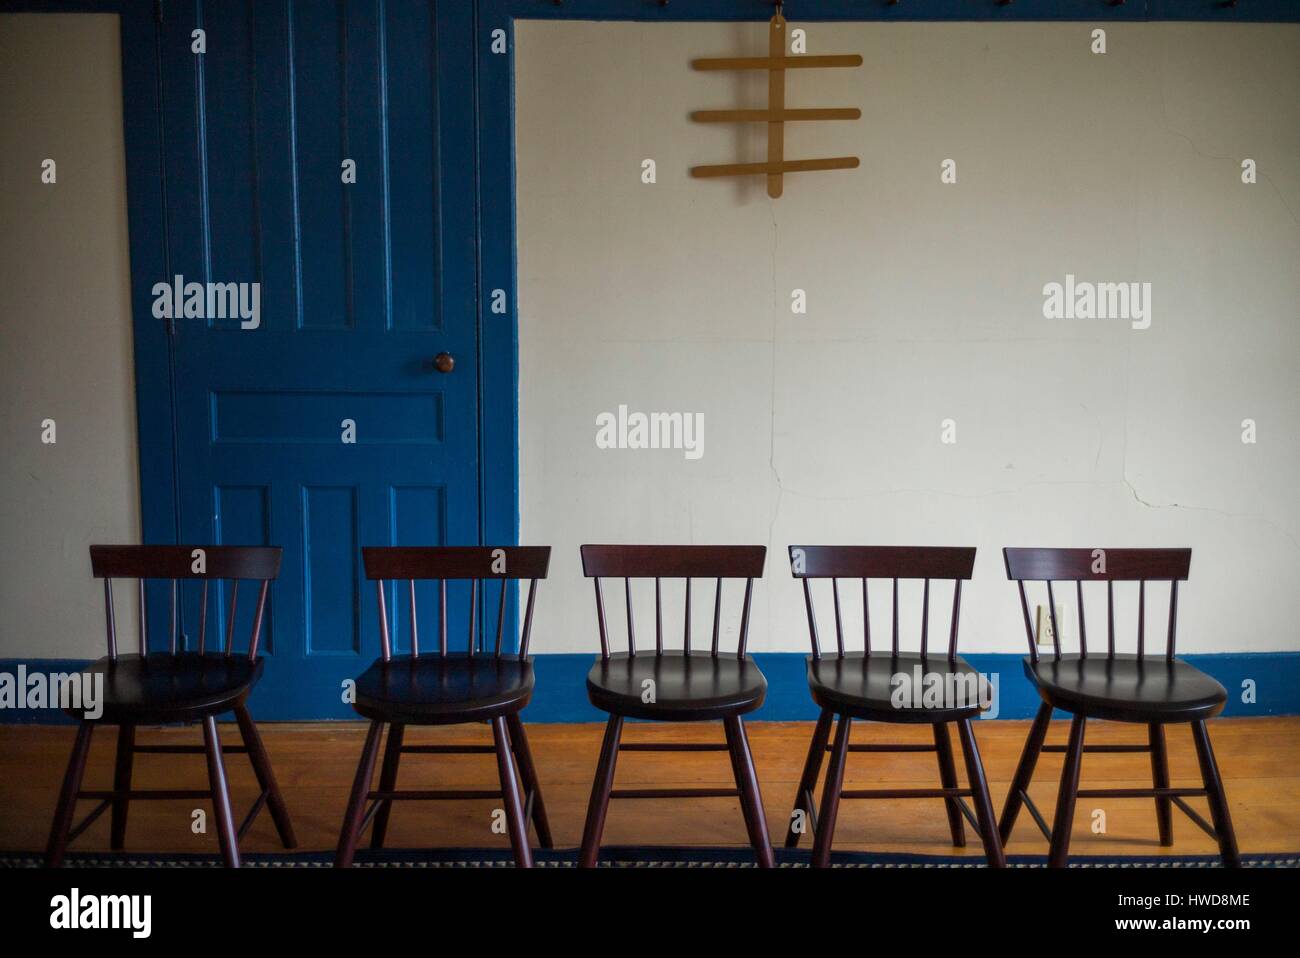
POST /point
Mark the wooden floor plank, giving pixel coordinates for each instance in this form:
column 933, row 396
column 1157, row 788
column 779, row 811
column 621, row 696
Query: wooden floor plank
column 1260, row 761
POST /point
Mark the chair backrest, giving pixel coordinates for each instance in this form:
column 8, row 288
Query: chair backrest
column 1101, row 565
column 881, row 562
column 476, row 564
column 206, row 563
column 628, row 562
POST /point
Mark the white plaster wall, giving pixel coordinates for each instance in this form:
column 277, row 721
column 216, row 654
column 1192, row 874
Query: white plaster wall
column 924, row 303
column 65, row 332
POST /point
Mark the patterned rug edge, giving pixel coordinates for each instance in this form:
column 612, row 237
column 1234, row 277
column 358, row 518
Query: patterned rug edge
column 631, row 857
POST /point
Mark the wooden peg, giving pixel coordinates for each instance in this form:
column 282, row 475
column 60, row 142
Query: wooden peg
column 776, row 34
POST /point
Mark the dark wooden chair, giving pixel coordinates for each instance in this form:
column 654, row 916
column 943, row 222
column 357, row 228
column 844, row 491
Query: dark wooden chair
column 862, row 684
column 686, row 685
column 1151, row 690
column 441, row 687
column 153, row 688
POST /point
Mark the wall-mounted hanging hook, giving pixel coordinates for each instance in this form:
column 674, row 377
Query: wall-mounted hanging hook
column 776, row 64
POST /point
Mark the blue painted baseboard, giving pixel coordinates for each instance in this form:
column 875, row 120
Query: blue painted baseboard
column 562, row 697
column 561, row 691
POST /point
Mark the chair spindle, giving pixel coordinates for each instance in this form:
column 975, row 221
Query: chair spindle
column 501, row 618
column 442, row 617
column 925, row 619
column 600, row 619
column 659, row 620
column 230, row 619
column 1173, row 618
column 956, row 616
column 631, row 623
column 812, row 620
column 415, row 625
column 144, row 623
column 1142, row 617
column 203, row 620
column 895, row 641
column 528, row 619
column 385, row 647
column 1083, row 628
column 866, row 618
column 258, row 615
column 717, row 615
column 839, row 624
column 174, row 619
column 1051, row 614
column 1029, row 627
column 1110, row 618
column 473, row 617
column 110, row 619
column 686, row 629
column 744, row 616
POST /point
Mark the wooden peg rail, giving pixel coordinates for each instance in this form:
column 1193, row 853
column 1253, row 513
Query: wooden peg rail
column 776, row 115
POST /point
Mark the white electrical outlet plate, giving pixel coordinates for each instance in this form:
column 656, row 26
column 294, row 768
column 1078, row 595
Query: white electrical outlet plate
column 1043, row 625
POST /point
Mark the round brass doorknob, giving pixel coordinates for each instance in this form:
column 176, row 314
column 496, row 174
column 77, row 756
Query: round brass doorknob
column 444, row 362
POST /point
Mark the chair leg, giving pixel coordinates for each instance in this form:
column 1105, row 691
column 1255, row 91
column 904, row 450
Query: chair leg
column 1160, row 779
column 1024, row 771
column 220, row 793
column 356, row 812
column 812, row 766
column 751, row 799
column 528, row 772
column 948, row 778
column 980, row 795
column 387, row 782
column 821, row 856
column 515, row 821
column 598, row 807
column 265, row 776
column 1218, row 799
column 67, row 805
column 1065, row 798
column 122, row 784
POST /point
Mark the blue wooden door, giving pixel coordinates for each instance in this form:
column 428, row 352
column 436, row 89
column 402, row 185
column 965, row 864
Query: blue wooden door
column 325, row 152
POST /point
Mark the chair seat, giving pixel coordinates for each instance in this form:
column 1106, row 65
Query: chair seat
column 1126, row 688
column 162, row 687
column 863, row 686
column 697, row 687
column 435, row 690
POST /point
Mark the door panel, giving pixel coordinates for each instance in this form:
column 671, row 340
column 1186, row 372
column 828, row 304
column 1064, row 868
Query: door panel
column 361, row 285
